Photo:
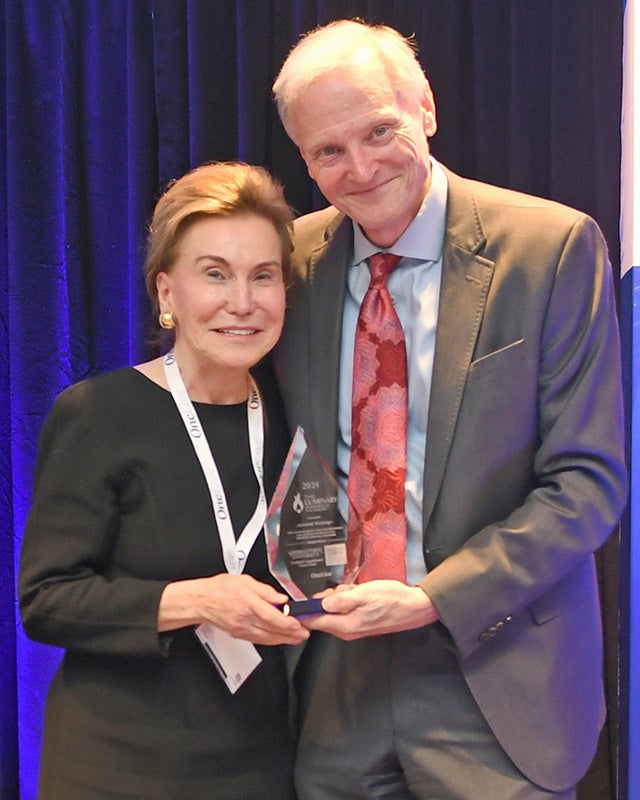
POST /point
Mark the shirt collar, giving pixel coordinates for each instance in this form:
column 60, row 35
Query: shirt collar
column 424, row 237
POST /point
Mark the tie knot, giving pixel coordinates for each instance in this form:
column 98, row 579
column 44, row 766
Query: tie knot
column 381, row 265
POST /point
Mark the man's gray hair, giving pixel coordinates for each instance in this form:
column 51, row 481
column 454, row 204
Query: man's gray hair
column 340, row 43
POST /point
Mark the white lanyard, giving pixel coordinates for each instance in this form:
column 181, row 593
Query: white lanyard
column 234, row 553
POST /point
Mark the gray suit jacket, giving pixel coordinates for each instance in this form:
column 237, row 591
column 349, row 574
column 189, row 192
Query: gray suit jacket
column 524, row 475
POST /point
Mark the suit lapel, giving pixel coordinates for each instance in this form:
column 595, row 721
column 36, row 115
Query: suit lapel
column 329, row 264
column 466, row 277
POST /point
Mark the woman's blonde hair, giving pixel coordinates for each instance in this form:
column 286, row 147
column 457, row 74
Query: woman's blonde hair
column 222, row 189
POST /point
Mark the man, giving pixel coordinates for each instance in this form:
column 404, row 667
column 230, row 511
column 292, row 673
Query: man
column 478, row 676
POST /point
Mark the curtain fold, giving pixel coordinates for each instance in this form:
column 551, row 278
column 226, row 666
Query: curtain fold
column 106, row 101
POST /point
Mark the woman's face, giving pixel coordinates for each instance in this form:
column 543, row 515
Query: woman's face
column 226, row 293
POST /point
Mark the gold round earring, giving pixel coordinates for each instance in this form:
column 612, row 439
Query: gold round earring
column 166, row 321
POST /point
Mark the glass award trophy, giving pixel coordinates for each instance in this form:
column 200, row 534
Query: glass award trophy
column 309, row 546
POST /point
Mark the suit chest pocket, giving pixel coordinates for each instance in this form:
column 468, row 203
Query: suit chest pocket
column 507, row 359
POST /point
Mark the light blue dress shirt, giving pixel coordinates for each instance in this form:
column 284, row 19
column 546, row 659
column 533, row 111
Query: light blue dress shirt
column 414, row 286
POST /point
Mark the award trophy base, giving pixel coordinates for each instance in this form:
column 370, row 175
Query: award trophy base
column 303, row 608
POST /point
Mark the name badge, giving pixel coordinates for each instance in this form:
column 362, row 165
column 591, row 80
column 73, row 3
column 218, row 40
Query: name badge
column 235, row 659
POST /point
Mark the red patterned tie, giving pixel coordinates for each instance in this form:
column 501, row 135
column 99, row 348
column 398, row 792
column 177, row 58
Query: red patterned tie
column 379, row 429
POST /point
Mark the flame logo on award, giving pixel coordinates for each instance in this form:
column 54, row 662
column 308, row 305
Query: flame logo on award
column 298, row 505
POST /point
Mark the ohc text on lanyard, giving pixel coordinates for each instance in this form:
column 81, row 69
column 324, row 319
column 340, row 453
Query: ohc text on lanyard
column 235, row 553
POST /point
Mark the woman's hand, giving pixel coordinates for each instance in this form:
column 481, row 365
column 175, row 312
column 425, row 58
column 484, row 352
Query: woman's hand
column 240, row 605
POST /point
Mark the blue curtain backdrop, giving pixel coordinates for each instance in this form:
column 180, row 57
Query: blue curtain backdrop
column 104, row 101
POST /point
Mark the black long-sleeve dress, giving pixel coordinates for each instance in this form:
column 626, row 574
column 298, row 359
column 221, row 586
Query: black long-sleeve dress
column 120, row 510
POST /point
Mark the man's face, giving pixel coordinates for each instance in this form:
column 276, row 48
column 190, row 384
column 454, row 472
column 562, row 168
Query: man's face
column 366, row 146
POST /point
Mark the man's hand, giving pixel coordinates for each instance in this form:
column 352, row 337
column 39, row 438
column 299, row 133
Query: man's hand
column 373, row 608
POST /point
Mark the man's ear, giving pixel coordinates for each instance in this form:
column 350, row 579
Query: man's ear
column 429, row 121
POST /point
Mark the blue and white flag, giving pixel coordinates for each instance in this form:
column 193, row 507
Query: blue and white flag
column 630, row 285
column 630, row 167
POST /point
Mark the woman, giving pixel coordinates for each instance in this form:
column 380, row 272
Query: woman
column 125, row 564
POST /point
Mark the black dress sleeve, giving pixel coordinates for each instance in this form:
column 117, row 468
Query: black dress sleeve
column 69, row 596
